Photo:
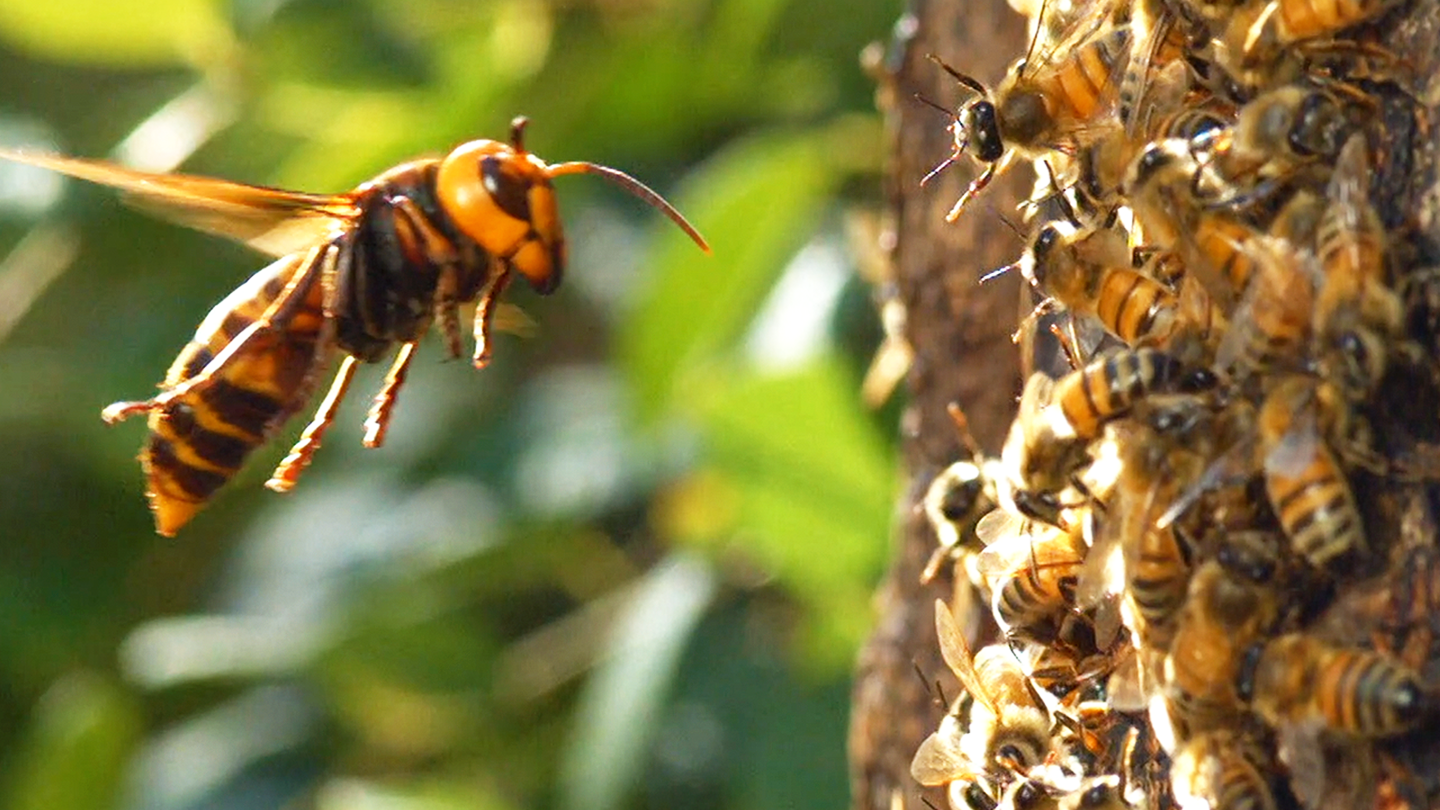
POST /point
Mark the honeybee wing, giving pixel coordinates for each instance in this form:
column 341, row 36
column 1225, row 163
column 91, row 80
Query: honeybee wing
column 1104, row 570
column 1300, row 748
column 1287, row 279
column 1349, row 181
column 939, row 760
column 1235, row 464
column 1296, row 449
column 272, row 221
column 996, row 528
column 957, row 656
column 1150, row 26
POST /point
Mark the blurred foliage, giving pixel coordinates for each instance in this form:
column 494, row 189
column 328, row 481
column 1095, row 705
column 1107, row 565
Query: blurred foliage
column 627, row 565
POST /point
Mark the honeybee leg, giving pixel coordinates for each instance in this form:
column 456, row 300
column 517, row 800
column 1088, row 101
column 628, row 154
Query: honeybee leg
column 379, row 419
column 1042, row 309
column 975, row 188
column 485, row 313
column 285, row 475
column 275, row 318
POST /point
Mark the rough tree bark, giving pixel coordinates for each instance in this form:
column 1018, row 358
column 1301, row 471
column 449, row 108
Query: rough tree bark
column 960, row 333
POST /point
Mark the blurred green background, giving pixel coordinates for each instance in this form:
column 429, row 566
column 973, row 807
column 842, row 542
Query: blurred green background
column 628, row 565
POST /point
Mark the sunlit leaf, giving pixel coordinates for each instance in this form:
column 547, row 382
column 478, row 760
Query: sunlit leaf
column 811, row 485
column 756, row 203
column 118, row 32
column 81, row 737
column 617, row 713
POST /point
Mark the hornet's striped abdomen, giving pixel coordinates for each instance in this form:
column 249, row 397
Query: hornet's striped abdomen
column 202, row 440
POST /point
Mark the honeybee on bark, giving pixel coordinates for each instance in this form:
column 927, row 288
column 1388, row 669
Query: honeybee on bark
column 356, row 274
column 1299, row 679
column 1231, row 602
column 1009, row 723
column 1045, row 103
column 1303, row 478
column 1358, row 316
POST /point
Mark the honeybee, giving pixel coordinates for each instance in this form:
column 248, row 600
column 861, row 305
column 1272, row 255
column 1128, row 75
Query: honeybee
column 1298, row 679
column 1174, row 199
column 1215, row 770
column 1170, row 110
column 1272, row 326
column 1038, row 461
column 1287, row 22
column 1303, row 480
column 1009, row 723
column 1043, row 104
column 1286, row 128
column 958, row 497
column 1109, row 386
column 1088, row 272
column 1228, row 606
column 1032, row 577
column 357, row 272
column 1358, row 317
column 1163, row 446
column 1096, row 793
column 1030, row 794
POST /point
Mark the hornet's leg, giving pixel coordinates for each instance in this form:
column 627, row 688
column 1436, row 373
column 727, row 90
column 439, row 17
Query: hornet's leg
column 379, row 419
column 285, row 475
column 485, row 313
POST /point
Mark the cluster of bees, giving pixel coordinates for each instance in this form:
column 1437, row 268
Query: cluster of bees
column 1174, row 515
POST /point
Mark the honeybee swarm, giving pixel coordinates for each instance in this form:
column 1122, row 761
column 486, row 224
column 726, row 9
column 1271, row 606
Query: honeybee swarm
column 1180, row 541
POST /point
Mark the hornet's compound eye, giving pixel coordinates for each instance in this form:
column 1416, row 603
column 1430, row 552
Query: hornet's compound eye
column 507, row 187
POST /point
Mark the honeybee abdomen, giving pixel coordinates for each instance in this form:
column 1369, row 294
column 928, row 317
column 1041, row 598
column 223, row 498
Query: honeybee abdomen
column 201, row 440
column 1317, row 510
column 1107, row 388
column 1213, row 768
column 1366, row 694
column 1221, row 241
column 1080, row 84
column 1031, row 599
column 1306, row 19
column 1344, row 251
column 1159, row 580
column 1133, row 306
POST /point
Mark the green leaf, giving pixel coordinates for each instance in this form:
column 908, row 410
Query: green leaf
column 82, row 735
column 757, row 203
column 618, row 710
column 129, row 33
column 812, row 481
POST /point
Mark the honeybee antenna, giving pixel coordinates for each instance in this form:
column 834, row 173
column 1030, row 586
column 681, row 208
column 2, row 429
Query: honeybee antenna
column 628, row 183
column 999, row 271
column 517, row 132
column 945, row 111
column 1035, row 38
column 969, row 81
